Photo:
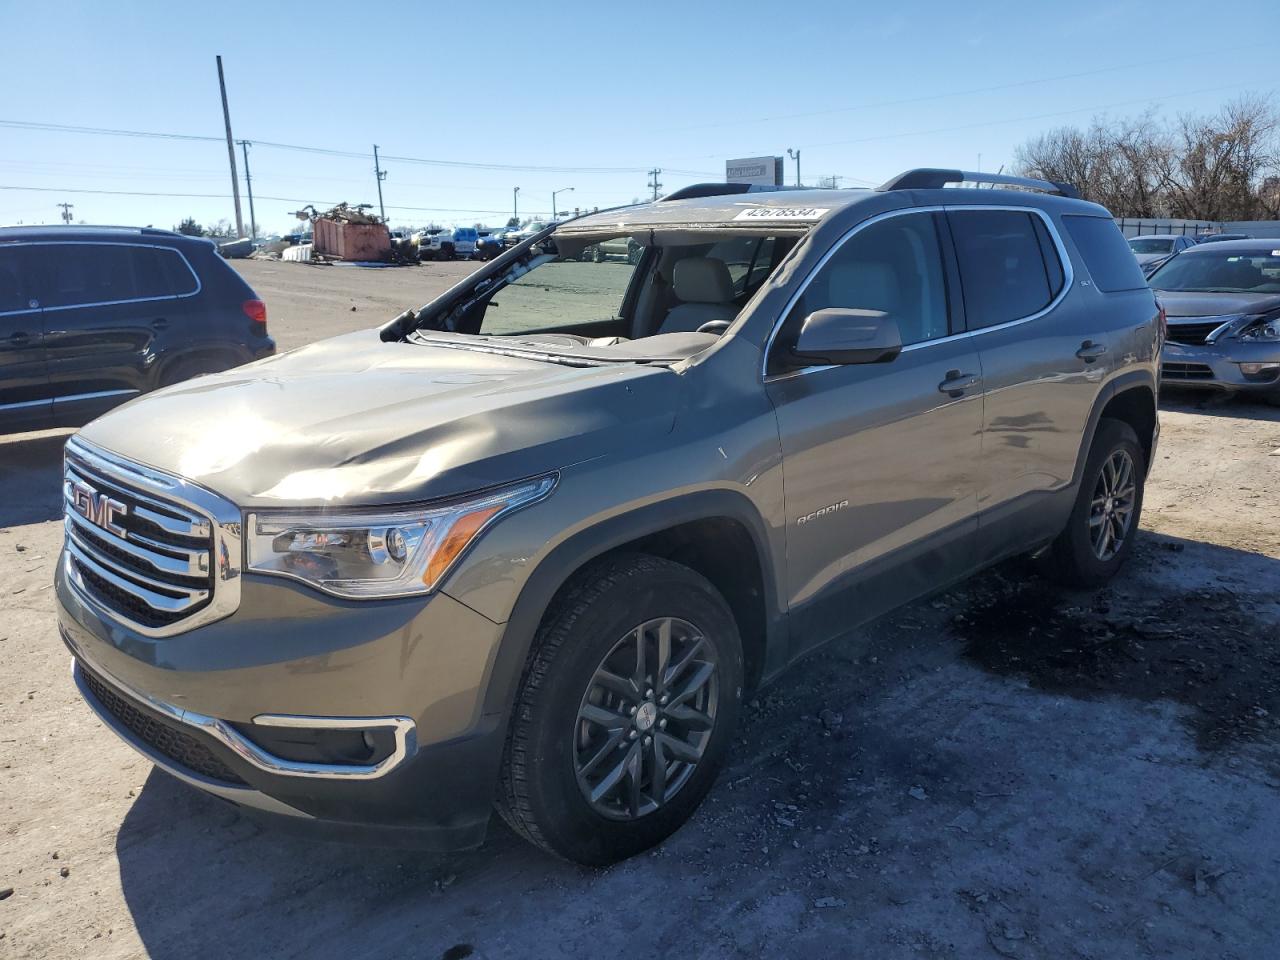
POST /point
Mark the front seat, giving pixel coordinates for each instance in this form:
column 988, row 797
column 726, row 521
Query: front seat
column 705, row 289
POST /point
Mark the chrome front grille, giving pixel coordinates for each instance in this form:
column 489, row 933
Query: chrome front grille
column 148, row 549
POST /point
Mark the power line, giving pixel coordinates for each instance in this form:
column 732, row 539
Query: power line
column 227, row 196
column 331, row 152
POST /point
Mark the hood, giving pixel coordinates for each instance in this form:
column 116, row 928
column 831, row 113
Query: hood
column 1178, row 304
column 354, row 420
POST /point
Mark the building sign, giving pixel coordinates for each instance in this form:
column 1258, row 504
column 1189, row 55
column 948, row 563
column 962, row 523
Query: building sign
column 766, row 171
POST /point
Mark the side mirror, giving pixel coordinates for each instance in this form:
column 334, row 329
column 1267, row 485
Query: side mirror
column 838, row 336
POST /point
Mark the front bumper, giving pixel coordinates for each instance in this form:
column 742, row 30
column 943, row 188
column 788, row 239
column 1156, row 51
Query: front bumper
column 1216, row 366
column 208, row 706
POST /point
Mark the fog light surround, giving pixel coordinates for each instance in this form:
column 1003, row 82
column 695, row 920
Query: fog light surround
column 1258, row 369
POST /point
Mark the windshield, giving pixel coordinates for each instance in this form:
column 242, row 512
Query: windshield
column 615, row 297
column 1225, row 272
column 1151, row 245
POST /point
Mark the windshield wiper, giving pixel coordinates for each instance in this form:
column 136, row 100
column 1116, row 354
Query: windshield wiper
column 488, row 347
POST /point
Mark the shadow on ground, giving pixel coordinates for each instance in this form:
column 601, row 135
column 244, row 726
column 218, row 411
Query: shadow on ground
column 1215, row 404
column 1206, row 647
column 31, row 478
column 885, row 796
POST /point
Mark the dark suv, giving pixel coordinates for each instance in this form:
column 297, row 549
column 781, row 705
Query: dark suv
column 533, row 542
column 91, row 316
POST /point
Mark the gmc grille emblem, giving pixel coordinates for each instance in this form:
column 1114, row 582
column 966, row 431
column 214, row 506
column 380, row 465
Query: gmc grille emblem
column 98, row 508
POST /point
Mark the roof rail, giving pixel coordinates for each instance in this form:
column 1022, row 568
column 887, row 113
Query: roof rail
column 721, row 190
column 931, row 178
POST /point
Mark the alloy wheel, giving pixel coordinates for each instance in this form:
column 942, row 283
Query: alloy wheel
column 1111, row 511
column 646, row 718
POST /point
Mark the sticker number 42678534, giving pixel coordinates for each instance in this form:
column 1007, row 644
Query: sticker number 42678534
column 782, row 213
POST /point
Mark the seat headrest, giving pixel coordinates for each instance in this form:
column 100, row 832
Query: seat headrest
column 702, row 280
column 863, row 285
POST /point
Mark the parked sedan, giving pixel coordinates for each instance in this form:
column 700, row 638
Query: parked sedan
column 1158, row 246
column 1223, row 306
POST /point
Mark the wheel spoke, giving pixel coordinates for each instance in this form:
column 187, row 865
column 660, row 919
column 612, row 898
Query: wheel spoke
column 635, row 769
column 1126, row 474
column 639, row 676
column 1104, row 543
column 609, row 746
column 692, row 719
column 664, row 653
column 684, row 691
column 690, row 654
column 611, row 779
column 603, row 717
column 622, row 686
column 658, row 787
column 1117, row 532
column 680, row 750
column 1095, row 519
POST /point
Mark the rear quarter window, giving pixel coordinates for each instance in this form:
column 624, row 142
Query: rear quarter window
column 1106, row 255
column 1003, row 268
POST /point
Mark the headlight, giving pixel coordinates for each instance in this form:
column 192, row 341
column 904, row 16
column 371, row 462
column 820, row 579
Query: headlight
column 1266, row 330
column 364, row 553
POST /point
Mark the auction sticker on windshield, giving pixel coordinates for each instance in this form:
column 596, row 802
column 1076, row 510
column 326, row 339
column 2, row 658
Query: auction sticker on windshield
column 782, row 213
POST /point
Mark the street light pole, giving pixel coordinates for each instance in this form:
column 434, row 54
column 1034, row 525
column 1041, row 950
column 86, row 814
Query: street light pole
column 795, row 155
column 553, row 199
column 515, row 205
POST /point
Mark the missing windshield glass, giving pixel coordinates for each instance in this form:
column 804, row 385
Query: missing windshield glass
column 622, row 296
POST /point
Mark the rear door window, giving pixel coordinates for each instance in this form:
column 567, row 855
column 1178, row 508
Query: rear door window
column 1108, row 258
column 1002, row 267
column 15, row 294
column 81, row 274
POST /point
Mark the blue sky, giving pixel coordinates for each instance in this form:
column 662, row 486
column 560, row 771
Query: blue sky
column 864, row 91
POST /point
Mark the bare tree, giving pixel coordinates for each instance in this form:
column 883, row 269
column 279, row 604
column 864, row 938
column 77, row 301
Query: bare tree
column 1204, row 168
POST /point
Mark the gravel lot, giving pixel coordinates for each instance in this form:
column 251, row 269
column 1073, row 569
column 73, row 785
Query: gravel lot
column 1004, row 770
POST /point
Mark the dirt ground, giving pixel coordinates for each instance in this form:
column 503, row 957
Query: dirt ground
column 1006, row 770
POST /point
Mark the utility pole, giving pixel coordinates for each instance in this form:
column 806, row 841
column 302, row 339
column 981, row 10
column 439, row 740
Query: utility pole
column 231, row 150
column 66, row 211
column 654, row 185
column 248, row 182
column 795, row 155
column 515, row 205
column 381, row 175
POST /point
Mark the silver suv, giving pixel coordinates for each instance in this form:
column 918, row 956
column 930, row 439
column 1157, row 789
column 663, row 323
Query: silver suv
column 531, row 544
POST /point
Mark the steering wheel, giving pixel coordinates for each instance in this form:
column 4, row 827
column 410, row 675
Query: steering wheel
column 714, row 326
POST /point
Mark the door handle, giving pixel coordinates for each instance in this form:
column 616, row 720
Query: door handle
column 957, row 382
column 1090, row 351
column 160, row 323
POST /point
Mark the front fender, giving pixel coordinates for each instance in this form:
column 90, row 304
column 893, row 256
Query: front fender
column 560, row 563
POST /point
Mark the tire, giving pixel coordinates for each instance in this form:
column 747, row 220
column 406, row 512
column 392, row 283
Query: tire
column 595, row 622
column 1272, row 398
column 1076, row 558
column 634, row 253
column 598, row 255
column 195, row 367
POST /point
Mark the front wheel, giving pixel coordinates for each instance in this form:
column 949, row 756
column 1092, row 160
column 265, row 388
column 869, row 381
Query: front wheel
column 625, row 713
column 1100, row 533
